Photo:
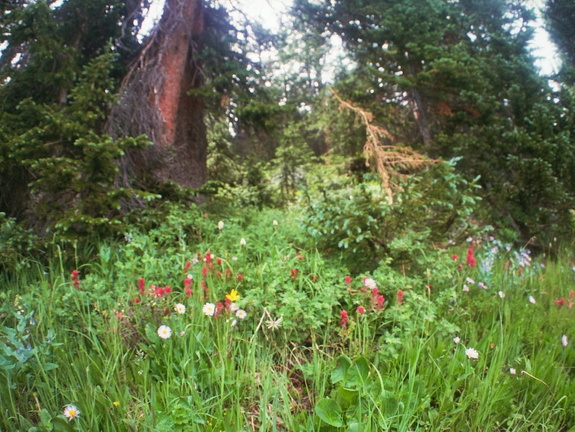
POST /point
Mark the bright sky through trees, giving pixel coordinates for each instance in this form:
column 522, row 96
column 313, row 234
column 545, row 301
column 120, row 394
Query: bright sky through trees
column 269, row 12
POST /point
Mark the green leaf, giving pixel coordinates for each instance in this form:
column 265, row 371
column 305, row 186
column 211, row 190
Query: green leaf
column 343, row 364
column 330, row 412
column 358, row 374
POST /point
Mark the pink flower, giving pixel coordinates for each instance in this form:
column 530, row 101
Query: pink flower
column 344, row 318
column 399, row 297
column 360, row 310
column 204, row 271
column 348, row 279
column 293, row 273
column 560, row 302
column 454, row 257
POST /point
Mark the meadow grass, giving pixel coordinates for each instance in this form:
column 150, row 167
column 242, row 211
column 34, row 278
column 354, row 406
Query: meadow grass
column 293, row 363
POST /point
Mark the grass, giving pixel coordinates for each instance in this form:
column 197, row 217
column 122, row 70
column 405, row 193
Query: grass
column 289, row 365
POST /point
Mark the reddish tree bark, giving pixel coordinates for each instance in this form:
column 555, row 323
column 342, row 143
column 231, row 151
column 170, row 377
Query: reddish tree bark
column 157, row 98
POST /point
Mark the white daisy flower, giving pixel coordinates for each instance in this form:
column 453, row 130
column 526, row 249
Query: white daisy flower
column 209, row 309
column 472, row 353
column 71, row 412
column 164, row 332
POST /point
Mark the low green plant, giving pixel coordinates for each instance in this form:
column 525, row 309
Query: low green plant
column 359, row 221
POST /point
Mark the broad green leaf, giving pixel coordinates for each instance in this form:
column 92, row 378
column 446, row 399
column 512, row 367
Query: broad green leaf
column 343, row 364
column 330, row 412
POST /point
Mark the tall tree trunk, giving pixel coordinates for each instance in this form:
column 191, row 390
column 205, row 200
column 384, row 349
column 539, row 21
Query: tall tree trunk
column 157, row 98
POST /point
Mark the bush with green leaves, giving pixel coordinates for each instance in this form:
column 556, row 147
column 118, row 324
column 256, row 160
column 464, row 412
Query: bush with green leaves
column 435, row 207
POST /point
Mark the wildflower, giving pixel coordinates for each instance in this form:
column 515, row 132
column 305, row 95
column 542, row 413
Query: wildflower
column 378, row 300
column 234, row 258
column 532, row 300
column 241, row 314
column 242, row 241
column 454, row 257
column 469, row 281
column 348, row 279
column 472, row 353
column 560, row 302
column 167, row 289
column 182, row 333
column 274, row 324
column 470, row 258
column 204, row 271
column 344, row 318
column 482, row 285
column 233, row 307
column 512, row 371
column 71, row 412
column 180, row 308
column 564, row 341
column 116, row 403
column 233, row 295
column 465, row 288
column 137, row 300
column 164, row 332
column 75, row 279
column 240, row 277
column 369, row 283
column 141, row 286
column 456, row 339
column 275, row 223
column 293, row 273
column 209, row 309
column 219, row 309
column 501, row 294
column 399, row 297
column 221, row 225
column 360, row 310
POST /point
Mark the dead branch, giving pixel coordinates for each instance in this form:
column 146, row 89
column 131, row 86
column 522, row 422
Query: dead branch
column 388, row 159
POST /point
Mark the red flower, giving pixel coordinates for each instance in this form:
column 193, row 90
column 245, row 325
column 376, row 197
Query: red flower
column 240, row 277
column 75, row 279
column 348, row 279
column 219, row 308
column 141, row 286
column 293, row 273
column 219, row 261
column 379, row 302
column 137, row 300
column 167, row 290
column 400, row 297
column 471, row 258
column 188, row 265
column 560, row 302
column 208, row 258
column 189, row 292
column 454, row 257
column 360, row 310
column 187, row 282
column 344, row 318
column 158, row 291
column 204, row 271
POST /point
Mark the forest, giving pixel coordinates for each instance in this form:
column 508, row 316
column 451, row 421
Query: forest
column 361, row 220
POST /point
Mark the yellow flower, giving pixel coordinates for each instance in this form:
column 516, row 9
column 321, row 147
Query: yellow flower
column 233, row 295
column 116, row 403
